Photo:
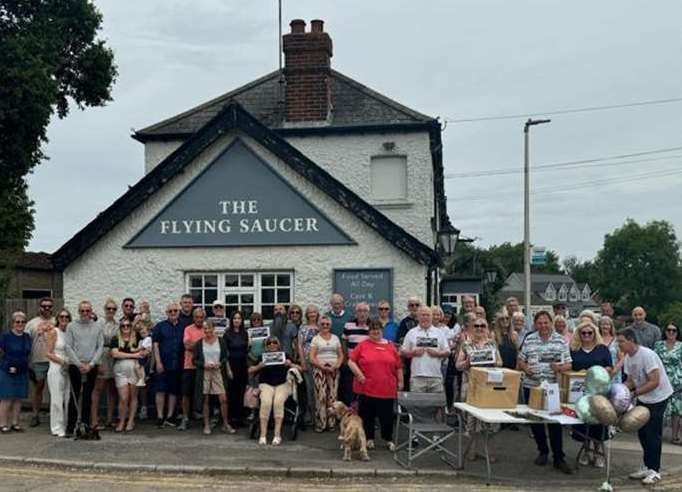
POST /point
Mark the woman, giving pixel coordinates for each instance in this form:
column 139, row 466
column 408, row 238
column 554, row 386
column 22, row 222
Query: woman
column 607, row 330
column 561, row 327
column 670, row 351
column 126, row 354
column 210, row 358
column 57, row 375
column 507, row 340
column 518, row 322
column 15, row 350
column 105, row 374
column 326, row 357
column 479, row 342
column 236, row 341
column 274, row 391
column 587, row 350
column 378, row 372
column 306, row 333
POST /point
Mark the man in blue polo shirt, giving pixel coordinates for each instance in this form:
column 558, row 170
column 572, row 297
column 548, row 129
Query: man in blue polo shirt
column 168, row 353
column 338, row 314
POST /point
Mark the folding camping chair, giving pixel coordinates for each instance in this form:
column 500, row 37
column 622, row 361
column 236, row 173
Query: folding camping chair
column 416, row 416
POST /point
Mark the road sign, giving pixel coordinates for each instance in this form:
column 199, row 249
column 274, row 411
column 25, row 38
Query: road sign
column 538, row 255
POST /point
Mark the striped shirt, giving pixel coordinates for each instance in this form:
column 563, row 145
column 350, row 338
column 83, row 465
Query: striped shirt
column 354, row 334
column 540, row 355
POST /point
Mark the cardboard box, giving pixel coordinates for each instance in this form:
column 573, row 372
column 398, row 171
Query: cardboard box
column 493, row 387
column 572, row 386
column 536, row 398
column 545, row 398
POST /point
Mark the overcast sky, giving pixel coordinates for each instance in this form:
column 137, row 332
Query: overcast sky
column 453, row 59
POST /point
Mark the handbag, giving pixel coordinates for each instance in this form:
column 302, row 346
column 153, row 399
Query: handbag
column 251, row 396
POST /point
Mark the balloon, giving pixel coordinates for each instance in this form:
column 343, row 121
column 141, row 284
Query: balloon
column 620, row 397
column 584, row 410
column 635, row 419
column 601, row 408
column 597, row 381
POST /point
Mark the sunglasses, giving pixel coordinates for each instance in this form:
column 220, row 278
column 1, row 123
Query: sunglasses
column 295, row 312
column 129, row 305
column 413, row 304
column 111, row 309
column 671, row 330
column 64, row 316
column 20, row 321
column 126, row 325
column 173, row 310
column 587, row 333
column 85, row 310
column 46, row 306
column 478, row 325
column 271, row 343
column 384, row 309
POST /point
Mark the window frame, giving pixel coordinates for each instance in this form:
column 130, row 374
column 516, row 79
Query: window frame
column 390, row 200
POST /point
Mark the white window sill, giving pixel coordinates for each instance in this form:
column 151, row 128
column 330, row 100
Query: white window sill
column 392, row 204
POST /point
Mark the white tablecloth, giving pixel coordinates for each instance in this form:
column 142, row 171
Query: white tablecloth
column 499, row 416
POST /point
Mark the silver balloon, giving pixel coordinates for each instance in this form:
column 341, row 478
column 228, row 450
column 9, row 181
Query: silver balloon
column 597, row 381
column 620, row 397
column 601, row 408
column 584, row 410
column 635, row 419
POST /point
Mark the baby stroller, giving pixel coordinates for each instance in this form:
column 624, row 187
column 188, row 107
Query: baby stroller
column 293, row 420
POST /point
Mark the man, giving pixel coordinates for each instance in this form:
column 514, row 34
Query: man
column 479, row 312
column 407, row 323
column 543, row 356
column 559, row 309
column 168, row 353
column 355, row 331
column 218, row 319
column 285, row 331
column 647, row 333
column 468, row 306
column 84, row 344
column 512, row 305
column 338, row 314
column 186, row 307
column 386, row 320
column 37, row 329
column 192, row 334
column 649, row 383
column 128, row 309
column 426, row 347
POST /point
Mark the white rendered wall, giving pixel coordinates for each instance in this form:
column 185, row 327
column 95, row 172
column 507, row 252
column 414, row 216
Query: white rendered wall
column 348, row 158
column 158, row 274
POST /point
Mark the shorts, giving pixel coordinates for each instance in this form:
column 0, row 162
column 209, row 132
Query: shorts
column 189, row 377
column 125, row 372
column 213, row 382
column 425, row 384
column 38, row 371
column 169, row 382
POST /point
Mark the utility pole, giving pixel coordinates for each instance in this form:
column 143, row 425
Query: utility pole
column 526, row 212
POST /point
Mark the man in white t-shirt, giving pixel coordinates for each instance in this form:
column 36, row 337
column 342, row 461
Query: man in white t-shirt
column 649, row 383
column 426, row 346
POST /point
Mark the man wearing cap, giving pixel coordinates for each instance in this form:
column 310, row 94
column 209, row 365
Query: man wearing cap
column 218, row 319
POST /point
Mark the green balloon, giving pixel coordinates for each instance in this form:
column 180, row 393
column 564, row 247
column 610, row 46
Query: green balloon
column 597, row 381
column 584, row 410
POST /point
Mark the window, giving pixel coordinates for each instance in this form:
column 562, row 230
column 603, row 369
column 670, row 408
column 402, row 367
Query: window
column 243, row 291
column 573, row 294
column 550, row 293
column 563, row 291
column 388, row 177
column 455, row 300
column 35, row 293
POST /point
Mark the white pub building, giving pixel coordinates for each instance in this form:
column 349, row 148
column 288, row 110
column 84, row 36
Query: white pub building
column 295, row 185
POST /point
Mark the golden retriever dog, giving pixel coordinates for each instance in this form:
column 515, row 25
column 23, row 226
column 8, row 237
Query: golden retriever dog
column 351, row 432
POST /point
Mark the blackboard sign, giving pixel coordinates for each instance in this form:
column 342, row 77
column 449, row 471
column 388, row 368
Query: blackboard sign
column 369, row 285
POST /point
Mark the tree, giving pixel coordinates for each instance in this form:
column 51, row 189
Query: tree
column 49, row 58
column 580, row 271
column 672, row 314
column 640, row 265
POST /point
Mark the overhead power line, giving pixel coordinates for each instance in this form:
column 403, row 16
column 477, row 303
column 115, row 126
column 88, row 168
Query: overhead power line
column 564, row 111
column 566, row 164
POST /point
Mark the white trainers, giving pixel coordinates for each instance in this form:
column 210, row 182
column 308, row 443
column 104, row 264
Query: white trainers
column 652, row 478
column 370, row 444
column 262, row 441
column 585, row 458
column 639, row 474
column 599, row 461
column 391, row 446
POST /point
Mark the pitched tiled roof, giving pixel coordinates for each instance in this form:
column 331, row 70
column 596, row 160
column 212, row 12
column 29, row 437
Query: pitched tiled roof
column 353, row 105
column 29, row 260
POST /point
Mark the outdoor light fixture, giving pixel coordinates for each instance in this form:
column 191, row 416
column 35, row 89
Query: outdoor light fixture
column 491, row 276
column 447, row 240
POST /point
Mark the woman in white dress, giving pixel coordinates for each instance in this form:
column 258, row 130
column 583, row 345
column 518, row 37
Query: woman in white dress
column 57, row 375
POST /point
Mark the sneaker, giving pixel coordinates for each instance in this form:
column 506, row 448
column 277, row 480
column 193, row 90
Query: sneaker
column 370, row 444
column 262, row 441
column 639, row 474
column 35, row 421
column 276, row 441
column 169, row 423
column 159, row 423
column 143, row 413
column 541, row 460
column 184, row 424
column 563, row 467
column 652, row 478
column 391, row 446
column 599, row 461
column 584, row 459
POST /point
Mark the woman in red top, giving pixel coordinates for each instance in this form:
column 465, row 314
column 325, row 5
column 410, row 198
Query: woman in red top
column 378, row 377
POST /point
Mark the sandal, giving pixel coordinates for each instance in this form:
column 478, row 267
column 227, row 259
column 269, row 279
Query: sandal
column 17, row 428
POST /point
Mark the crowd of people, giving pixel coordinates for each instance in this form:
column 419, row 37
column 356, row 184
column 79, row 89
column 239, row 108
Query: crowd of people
column 230, row 370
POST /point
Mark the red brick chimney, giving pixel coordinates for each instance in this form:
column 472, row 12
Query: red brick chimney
column 307, row 71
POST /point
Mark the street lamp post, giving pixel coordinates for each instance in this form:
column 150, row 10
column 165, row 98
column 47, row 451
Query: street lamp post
column 526, row 212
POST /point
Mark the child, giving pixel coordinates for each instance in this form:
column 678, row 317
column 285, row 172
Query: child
column 142, row 368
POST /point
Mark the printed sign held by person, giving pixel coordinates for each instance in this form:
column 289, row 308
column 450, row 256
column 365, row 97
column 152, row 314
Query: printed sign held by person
column 259, row 333
column 427, row 342
column 274, row 358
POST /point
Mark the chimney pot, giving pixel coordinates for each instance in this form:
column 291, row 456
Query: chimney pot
column 316, row 25
column 297, row 26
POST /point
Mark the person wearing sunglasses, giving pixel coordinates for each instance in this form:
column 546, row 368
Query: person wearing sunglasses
column 128, row 309
column 57, row 376
column 406, row 324
column 84, row 347
column 670, row 351
column 168, row 356
column 126, row 352
column 37, row 328
column 588, row 350
column 105, row 371
column 390, row 327
column 543, row 356
column 15, row 348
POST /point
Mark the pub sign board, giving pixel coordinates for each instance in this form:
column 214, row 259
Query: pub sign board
column 239, row 200
column 369, row 285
